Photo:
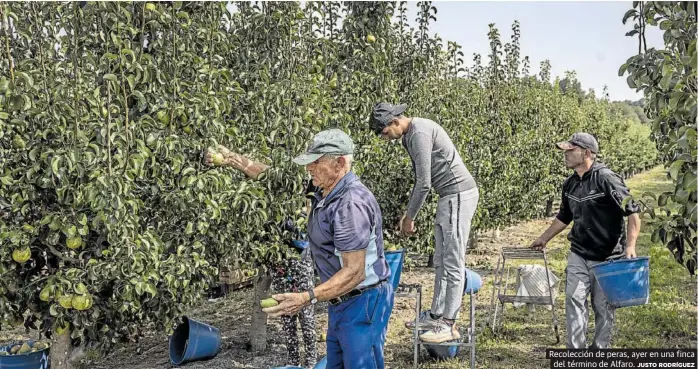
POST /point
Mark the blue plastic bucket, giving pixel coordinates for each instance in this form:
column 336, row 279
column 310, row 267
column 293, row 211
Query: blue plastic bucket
column 193, row 341
column 439, row 352
column 321, row 364
column 473, row 282
column 32, row 360
column 625, row 282
column 395, row 261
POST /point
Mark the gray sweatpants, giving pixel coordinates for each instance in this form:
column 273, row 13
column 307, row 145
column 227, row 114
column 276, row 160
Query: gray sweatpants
column 454, row 214
column 580, row 282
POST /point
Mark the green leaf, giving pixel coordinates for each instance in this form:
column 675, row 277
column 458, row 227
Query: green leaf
column 80, row 288
column 663, row 199
column 28, row 80
column 151, row 289
column 622, row 70
column 110, row 77
column 138, row 95
column 131, row 82
column 689, row 181
column 667, row 68
column 629, row 14
column 631, row 82
column 129, row 52
column 70, row 231
column 664, row 83
column 665, row 25
column 675, row 168
column 16, row 103
column 55, row 224
column 681, row 196
column 4, row 85
column 54, row 165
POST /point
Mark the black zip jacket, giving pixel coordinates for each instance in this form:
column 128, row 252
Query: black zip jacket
column 595, row 204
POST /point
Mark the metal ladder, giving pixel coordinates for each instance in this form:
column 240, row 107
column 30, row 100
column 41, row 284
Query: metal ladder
column 511, row 253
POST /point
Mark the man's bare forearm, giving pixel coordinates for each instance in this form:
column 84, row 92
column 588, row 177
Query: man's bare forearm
column 556, row 227
column 350, row 276
column 251, row 168
column 344, row 281
column 634, row 223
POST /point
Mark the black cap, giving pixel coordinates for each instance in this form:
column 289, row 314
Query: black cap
column 382, row 114
column 580, row 139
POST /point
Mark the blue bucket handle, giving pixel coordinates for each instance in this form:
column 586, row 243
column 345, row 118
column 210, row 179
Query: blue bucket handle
column 623, row 259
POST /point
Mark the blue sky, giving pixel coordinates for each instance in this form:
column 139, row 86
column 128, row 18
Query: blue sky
column 585, row 36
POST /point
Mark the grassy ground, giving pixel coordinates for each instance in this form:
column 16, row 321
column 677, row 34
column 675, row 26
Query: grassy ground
column 668, row 321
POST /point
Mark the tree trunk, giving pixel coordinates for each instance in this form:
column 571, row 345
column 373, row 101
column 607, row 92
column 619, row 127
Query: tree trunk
column 430, row 261
column 549, row 208
column 61, row 351
column 258, row 329
column 496, row 233
column 472, row 241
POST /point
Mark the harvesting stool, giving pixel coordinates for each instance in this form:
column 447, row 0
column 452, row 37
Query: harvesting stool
column 448, row 349
column 510, row 253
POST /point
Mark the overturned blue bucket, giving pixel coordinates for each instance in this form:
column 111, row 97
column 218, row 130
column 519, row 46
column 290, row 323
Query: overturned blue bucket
column 321, row 364
column 473, row 282
column 625, row 282
column 442, row 352
column 193, row 341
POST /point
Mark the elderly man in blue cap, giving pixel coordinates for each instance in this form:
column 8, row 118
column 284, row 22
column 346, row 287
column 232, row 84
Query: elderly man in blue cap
column 346, row 240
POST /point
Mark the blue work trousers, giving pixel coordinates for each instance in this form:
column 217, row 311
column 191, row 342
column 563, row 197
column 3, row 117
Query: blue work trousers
column 357, row 328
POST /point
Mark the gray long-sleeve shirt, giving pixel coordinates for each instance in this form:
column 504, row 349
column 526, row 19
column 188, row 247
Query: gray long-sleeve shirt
column 436, row 163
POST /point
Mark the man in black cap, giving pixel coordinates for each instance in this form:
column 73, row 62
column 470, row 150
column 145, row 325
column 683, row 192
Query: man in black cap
column 593, row 198
column 436, row 163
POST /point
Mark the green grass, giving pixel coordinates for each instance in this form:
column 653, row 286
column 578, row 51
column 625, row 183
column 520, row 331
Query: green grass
column 668, row 321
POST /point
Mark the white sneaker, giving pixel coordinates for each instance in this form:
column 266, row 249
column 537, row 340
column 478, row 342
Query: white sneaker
column 425, row 321
column 442, row 332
